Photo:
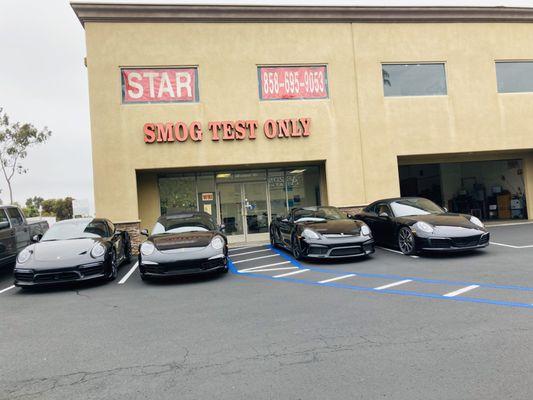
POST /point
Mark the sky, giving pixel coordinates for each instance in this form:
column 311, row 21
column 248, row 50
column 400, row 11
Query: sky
column 43, row 81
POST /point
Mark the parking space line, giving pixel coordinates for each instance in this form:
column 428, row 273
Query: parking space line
column 338, row 278
column 231, row 249
column 128, row 274
column 250, row 252
column 6, row 289
column 256, row 258
column 266, row 270
column 393, row 284
column 291, row 273
column 512, row 246
column 265, row 266
column 461, row 291
column 393, row 251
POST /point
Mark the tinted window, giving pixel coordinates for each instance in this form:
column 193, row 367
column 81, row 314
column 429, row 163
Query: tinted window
column 414, row 79
column 184, row 223
column 415, row 206
column 3, row 220
column 14, row 215
column 76, row 229
column 514, row 77
column 317, row 214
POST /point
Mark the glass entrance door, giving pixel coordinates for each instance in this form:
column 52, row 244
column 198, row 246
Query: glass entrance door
column 244, row 209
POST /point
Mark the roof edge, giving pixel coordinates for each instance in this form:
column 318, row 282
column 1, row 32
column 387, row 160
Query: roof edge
column 124, row 12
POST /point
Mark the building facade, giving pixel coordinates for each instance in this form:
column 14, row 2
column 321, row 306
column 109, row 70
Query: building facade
column 247, row 111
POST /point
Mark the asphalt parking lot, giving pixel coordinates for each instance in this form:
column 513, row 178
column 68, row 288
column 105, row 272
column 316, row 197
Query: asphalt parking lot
column 390, row 326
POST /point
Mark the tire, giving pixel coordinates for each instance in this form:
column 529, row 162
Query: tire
column 296, row 251
column 114, row 267
column 127, row 252
column 406, row 241
column 273, row 242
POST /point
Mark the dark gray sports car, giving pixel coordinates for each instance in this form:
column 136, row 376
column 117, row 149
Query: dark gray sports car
column 321, row 232
column 183, row 244
column 73, row 250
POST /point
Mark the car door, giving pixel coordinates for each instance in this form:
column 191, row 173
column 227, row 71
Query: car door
column 8, row 241
column 285, row 229
column 381, row 223
column 371, row 218
column 20, row 228
column 117, row 240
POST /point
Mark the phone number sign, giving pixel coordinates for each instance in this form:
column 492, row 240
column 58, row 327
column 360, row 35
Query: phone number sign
column 293, row 83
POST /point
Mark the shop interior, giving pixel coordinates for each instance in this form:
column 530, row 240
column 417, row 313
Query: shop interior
column 489, row 190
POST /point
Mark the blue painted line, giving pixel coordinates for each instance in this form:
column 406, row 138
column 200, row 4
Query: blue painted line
column 398, row 277
column 231, row 267
column 391, row 291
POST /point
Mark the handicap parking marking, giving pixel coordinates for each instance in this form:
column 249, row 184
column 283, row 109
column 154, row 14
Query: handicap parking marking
column 7, row 289
column 254, row 258
column 308, row 275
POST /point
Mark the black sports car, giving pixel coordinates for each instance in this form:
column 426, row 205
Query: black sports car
column 321, row 232
column 413, row 224
column 73, row 250
column 182, row 244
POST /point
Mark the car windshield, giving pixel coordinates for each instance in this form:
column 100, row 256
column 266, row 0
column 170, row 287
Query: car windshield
column 318, row 214
column 417, row 206
column 184, row 223
column 75, row 229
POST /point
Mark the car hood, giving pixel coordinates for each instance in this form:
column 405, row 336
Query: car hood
column 65, row 250
column 338, row 226
column 170, row 241
column 445, row 219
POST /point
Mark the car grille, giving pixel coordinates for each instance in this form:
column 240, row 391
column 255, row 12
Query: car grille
column 57, row 276
column 318, row 250
column 212, row 263
column 440, row 243
column 24, row 276
column 466, row 241
column 484, row 239
column 346, row 251
column 95, row 270
column 183, row 266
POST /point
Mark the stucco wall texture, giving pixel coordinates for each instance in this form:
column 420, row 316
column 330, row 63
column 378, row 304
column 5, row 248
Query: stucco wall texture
column 358, row 132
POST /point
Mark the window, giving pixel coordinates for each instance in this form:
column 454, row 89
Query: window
column 4, row 222
column 414, row 79
column 514, row 77
column 178, row 194
column 15, row 217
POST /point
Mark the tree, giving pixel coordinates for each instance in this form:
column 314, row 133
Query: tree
column 61, row 208
column 15, row 140
column 32, row 206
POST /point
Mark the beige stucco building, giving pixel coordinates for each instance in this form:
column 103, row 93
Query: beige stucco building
column 415, row 101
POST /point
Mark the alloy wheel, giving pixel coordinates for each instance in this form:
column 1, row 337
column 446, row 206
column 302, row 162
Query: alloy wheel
column 406, row 241
column 296, row 251
column 114, row 267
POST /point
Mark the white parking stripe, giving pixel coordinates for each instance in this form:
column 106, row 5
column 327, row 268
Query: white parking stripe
column 249, row 252
column 337, row 278
column 393, row 284
column 6, row 289
column 256, row 258
column 393, row 251
column 231, row 249
column 131, row 271
column 291, row 273
column 511, row 246
column 265, row 266
column 244, row 271
column 461, row 291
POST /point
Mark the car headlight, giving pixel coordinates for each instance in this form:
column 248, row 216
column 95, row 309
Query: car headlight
column 310, row 234
column 424, row 226
column 477, row 221
column 24, row 256
column 98, row 250
column 217, row 242
column 147, row 248
column 365, row 230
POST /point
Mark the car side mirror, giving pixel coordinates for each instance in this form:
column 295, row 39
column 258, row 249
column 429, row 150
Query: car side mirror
column 36, row 238
column 117, row 233
column 384, row 215
column 445, row 209
column 222, row 228
column 144, row 232
column 284, row 220
column 4, row 224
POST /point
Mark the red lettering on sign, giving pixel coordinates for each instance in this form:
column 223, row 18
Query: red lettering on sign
column 214, row 127
column 164, row 132
column 283, row 127
column 149, row 134
column 195, row 131
column 306, row 124
column 270, row 129
column 252, row 126
column 287, row 83
column 227, row 130
column 240, row 130
column 181, row 131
